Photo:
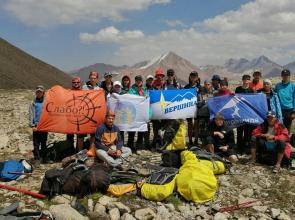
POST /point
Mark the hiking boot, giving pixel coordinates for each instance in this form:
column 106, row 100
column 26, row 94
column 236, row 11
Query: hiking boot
column 276, row 169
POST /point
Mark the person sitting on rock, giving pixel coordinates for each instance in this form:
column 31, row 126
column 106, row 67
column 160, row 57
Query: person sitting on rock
column 109, row 144
column 270, row 136
column 221, row 140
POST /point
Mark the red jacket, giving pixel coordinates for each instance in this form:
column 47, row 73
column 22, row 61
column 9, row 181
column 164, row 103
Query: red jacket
column 281, row 134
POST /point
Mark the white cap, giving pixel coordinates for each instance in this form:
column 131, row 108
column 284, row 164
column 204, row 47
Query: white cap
column 149, row 77
column 117, row 83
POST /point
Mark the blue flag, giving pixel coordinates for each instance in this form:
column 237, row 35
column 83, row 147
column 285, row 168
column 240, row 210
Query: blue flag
column 173, row 104
column 239, row 109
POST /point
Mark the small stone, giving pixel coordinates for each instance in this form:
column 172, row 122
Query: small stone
column 40, row 204
column 127, row 216
column 247, row 192
column 114, row 214
column 90, row 205
column 100, row 209
column 145, row 214
column 105, row 200
column 275, row 212
column 163, row 212
column 60, row 200
column 283, row 216
column 170, row 206
column 220, row 216
column 122, row 208
column 65, row 212
column 260, row 208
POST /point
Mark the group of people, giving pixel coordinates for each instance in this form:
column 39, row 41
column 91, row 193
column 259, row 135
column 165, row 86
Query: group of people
column 109, row 140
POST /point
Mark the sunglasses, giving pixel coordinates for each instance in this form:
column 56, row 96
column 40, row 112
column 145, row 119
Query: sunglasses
column 75, row 82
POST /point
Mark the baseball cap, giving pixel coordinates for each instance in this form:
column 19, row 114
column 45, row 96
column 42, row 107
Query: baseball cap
column 150, row 77
column 170, row 72
column 108, row 74
column 285, row 72
column 246, row 77
column 138, row 78
column 270, row 114
column 117, row 83
column 267, row 81
column 218, row 115
column 40, row 88
column 216, row 77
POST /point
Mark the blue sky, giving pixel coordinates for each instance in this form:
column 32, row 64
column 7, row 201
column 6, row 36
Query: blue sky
column 72, row 34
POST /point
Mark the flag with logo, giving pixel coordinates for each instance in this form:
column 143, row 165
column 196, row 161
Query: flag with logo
column 132, row 111
column 239, row 109
column 72, row 111
column 173, row 104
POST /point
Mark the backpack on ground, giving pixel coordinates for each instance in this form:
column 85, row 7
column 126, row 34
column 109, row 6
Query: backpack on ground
column 58, row 150
column 123, row 177
column 211, row 160
column 171, row 158
column 13, row 169
column 160, row 184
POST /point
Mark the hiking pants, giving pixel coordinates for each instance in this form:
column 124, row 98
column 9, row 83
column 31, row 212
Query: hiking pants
column 244, row 138
column 139, row 141
column 39, row 139
column 103, row 155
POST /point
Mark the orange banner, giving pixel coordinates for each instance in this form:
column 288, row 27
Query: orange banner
column 72, row 111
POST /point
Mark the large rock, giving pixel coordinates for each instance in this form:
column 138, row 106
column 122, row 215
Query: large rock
column 145, row 214
column 61, row 200
column 275, row 212
column 163, row 212
column 114, row 214
column 105, row 200
column 127, row 216
column 220, row 216
column 122, row 208
column 283, row 216
column 100, row 209
column 65, row 212
column 247, row 192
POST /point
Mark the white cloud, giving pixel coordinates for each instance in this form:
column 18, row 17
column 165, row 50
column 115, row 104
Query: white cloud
column 175, row 23
column 260, row 27
column 43, row 13
column 111, row 34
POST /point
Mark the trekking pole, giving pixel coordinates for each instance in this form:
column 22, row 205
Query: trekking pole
column 19, row 173
column 238, row 206
column 24, row 191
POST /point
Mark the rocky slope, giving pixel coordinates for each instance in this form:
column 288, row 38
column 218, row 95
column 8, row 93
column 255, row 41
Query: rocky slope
column 276, row 193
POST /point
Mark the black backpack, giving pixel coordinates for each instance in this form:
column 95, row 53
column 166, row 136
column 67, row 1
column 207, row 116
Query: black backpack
column 58, row 150
column 167, row 132
column 171, row 158
column 162, row 176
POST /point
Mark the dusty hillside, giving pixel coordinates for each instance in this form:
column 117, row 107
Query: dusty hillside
column 19, row 70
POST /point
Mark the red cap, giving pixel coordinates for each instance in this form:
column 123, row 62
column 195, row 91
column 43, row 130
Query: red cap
column 159, row 72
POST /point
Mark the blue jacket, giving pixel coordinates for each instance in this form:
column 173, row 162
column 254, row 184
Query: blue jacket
column 276, row 106
column 286, row 94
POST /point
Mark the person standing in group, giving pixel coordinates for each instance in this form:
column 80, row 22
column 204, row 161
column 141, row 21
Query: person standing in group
column 107, row 84
column 39, row 137
column 192, row 122
column 158, row 84
column 203, row 115
column 215, row 82
column 171, row 82
column 126, row 84
column 257, row 82
column 273, row 102
column 137, row 89
column 286, row 94
column 223, row 90
column 76, row 85
column 244, row 131
column 93, row 82
column 149, row 82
